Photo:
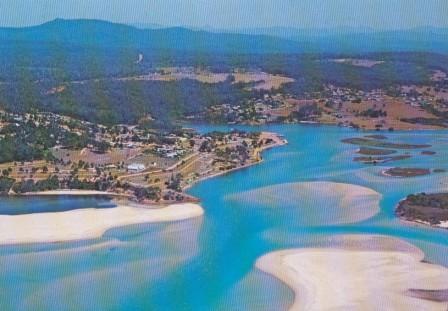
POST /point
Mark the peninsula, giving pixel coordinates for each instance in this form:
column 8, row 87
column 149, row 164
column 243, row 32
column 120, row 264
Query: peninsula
column 44, row 152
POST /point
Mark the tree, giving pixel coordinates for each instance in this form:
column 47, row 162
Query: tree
column 175, row 183
column 151, row 193
column 102, row 146
column 5, row 184
column 24, row 186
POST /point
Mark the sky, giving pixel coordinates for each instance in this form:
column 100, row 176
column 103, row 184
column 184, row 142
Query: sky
column 233, row 14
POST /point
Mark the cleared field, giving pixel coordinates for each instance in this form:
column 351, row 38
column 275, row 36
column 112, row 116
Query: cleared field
column 191, row 168
column 152, row 161
column 17, row 170
column 265, row 80
column 112, row 157
column 367, row 63
column 350, row 112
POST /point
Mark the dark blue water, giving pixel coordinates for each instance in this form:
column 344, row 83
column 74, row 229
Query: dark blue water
column 36, row 204
column 208, row 263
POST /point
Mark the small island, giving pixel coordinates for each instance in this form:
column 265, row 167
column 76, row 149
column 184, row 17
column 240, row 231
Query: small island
column 378, row 160
column 439, row 170
column 381, row 144
column 428, row 152
column 430, row 209
column 406, row 172
column 375, row 151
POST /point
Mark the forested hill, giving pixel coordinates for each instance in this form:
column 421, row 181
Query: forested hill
column 101, row 34
column 96, row 33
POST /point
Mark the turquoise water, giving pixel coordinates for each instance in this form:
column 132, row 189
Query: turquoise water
column 208, row 263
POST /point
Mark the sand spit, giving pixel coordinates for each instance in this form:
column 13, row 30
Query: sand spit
column 83, row 224
column 372, row 273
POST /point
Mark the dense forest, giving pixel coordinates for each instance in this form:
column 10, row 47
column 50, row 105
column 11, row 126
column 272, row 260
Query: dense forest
column 100, row 97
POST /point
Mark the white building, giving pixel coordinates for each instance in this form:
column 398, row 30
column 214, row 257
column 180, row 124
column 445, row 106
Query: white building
column 171, row 155
column 136, row 167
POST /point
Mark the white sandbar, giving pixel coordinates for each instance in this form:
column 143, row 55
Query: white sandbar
column 83, row 224
column 357, row 279
column 320, row 202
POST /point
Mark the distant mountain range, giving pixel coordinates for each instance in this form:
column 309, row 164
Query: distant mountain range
column 347, row 39
column 281, row 32
column 290, row 32
column 102, row 34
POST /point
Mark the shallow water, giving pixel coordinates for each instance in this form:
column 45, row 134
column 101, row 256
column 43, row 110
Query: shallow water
column 208, row 263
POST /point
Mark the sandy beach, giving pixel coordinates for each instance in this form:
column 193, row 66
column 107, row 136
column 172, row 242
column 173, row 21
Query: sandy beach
column 421, row 223
column 84, row 224
column 375, row 273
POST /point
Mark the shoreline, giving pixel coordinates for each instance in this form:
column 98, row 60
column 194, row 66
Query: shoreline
column 363, row 272
column 89, row 223
column 220, row 174
column 335, row 124
column 423, row 224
